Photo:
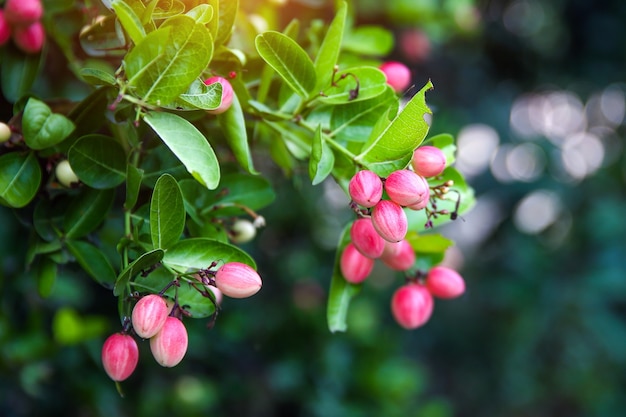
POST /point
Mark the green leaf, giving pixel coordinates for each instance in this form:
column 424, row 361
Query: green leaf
column 87, row 211
column 69, row 327
column 134, row 176
column 97, row 76
column 445, row 142
column 199, row 96
column 167, row 212
column 369, row 40
column 329, row 50
column 322, row 158
column 99, row 161
column 393, row 148
column 88, row 115
column 198, row 253
column 20, row 178
column 168, row 8
column 42, row 128
column 93, row 261
column 145, row 261
column 234, row 127
column 18, row 71
column 48, row 217
column 168, row 60
column 202, row 13
column 188, row 144
column 46, row 272
column 353, row 84
column 429, row 243
column 129, row 20
column 289, row 60
column 297, row 140
column 353, row 121
column 341, row 291
column 227, row 16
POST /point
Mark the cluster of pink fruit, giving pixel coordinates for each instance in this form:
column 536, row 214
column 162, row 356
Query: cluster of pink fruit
column 153, row 319
column 380, row 230
column 22, row 19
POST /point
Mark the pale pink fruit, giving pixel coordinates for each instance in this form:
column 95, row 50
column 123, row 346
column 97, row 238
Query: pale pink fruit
column 412, row 305
column 120, row 355
column 406, row 187
column 23, row 12
column 30, row 38
column 398, row 256
column 169, row 345
column 227, row 94
column 5, row 29
column 217, row 294
column 366, row 239
column 149, row 315
column 390, row 221
column 444, row 282
column 355, row 267
column 398, row 75
column 365, row 188
column 237, row 280
column 428, row 161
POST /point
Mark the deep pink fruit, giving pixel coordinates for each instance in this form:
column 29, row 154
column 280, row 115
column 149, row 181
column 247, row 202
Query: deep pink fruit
column 366, row 188
column 398, row 75
column 169, row 345
column 412, row 305
column 398, row 256
column 5, row 29
column 355, row 267
column 390, row 221
column 149, row 315
column 120, row 355
column 443, row 282
column 406, row 187
column 30, row 38
column 366, row 239
column 428, row 161
column 237, row 280
column 227, row 94
column 23, row 12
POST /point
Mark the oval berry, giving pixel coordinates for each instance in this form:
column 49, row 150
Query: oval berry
column 428, row 161
column 23, row 12
column 366, row 188
column 390, row 221
column 237, row 280
column 398, row 256
column 149, row 315
column 227, row 94
column 406, row 187
column 120, row 355
column 169, row 345
column 366, row 239
column 30, row 38
column 444, row 282
column 65, row 174
column 5, row 132
column 355, row 267
column 242, row 231
column 397, row 74
column 412, row 305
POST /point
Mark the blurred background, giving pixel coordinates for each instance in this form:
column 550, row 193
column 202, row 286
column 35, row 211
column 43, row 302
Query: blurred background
column 534, row 92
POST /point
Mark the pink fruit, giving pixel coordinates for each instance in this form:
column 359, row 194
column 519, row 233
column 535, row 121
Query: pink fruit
column 169, row 345
column 237, row 280
column 354, row 266
column 428, row 161
column 443, row 282
column 149, row 315
column 366, row 239
column 412, row 305
column 217, row 294
column 5, row 29
column 120, row 355
column 406, row 187
column 23, row 12
column 227, row 94
column 30, row 38
column 365, row 188
column 390, row 221
column 398, row 75
column 398, row 256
